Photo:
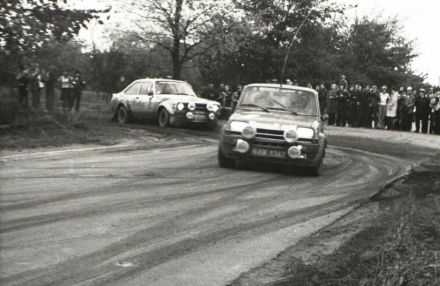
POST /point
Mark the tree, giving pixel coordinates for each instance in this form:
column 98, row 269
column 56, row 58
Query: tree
column 376, row 52
column 184, row 28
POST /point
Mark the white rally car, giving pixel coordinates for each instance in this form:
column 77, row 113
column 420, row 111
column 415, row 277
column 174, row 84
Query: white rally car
column 171, row 102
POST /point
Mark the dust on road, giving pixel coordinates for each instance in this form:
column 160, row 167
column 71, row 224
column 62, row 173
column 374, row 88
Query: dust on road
column 164, row 213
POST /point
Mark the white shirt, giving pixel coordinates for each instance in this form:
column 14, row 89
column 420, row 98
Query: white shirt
column 383, row 98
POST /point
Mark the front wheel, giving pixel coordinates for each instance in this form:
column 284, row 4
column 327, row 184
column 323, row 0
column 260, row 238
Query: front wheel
column 316, row 170
column 164, row 118
column 123, row 115
column 212, row 125
column 225, row 162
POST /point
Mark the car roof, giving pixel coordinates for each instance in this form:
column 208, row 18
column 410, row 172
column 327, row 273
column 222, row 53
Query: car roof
column 286, row 86
column 161, row 79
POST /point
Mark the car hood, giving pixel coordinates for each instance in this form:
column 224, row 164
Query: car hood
column 273, row 118
column 188, row 99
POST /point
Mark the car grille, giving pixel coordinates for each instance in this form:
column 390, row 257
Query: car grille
column 271, row 138
column 201, row 106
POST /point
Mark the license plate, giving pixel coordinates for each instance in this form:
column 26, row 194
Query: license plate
column 268, row 153
column 199, row 117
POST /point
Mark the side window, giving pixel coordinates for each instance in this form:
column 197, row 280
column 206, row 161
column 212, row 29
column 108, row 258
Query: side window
column 133, row 89
column 145, row 88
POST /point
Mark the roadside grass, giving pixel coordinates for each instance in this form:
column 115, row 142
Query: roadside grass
column 402, row 247
column 27, row 128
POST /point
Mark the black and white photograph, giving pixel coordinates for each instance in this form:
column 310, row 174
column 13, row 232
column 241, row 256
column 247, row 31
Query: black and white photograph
column 219, row 143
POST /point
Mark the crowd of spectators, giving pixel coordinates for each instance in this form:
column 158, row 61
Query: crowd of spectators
column 355, row 105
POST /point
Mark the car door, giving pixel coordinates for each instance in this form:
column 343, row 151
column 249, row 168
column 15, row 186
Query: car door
column 143, row 100
column 130, row 94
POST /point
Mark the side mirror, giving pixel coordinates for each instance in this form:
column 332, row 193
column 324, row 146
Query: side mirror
column 324, row 117
column 150, row 93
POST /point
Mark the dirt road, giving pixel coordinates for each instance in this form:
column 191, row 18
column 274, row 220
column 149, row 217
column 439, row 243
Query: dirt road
column 163, row 213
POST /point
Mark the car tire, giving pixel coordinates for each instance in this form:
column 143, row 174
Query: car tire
column 315, row 171
column 122, row 115
column 164, row 118
column 225, row 162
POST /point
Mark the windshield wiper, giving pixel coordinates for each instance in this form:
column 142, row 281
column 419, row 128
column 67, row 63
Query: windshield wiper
column 284, row 109
column 255, row 105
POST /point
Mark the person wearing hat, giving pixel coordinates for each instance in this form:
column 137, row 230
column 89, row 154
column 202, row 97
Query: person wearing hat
column 432, row 104
column 408, row 101
column 384, row 96
column 332, row 104
column 422, row 111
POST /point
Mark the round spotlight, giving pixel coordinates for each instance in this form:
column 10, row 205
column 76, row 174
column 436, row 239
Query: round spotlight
column 211, row 116
column 294, row 152
column 190, row 115
column 249, row 132
column 290, row 135
column 180, row 106
column 192, row 106
column 242, row 146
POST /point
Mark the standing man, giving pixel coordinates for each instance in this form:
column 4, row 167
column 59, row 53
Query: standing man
column 322, row 95
column 49, row 81
column 432, row 104
column 236, row 97
column 64, row 81
column 422, row 111
column 437, row 114
column 332, row 104
column 391, row 112
column 408, row 103
column 382, row 107
column 343, row 82
column 34, row 85
column 373, row 100
column 23, row 82
column 343, row 102
column 77, row 86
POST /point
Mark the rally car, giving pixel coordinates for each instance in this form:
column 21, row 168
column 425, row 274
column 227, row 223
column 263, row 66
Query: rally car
column 171, row 102
column 278, row 124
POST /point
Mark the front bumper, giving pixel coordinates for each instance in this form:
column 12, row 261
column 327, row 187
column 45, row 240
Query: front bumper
column 312, row 150
column 182, row 117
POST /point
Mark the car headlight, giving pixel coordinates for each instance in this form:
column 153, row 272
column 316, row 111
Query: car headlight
column 192, row 106
column 249, row 132
column 305, row 133
column 212, row 107
column 315, row 126
column 290, row 135
column 180, row 106
column 237, row 126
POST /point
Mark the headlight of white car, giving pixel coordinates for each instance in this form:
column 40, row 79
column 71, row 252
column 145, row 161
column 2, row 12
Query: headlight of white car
column 290, row 135
column 249, row 132
column 315, row 126
column 237, row 126
column 212, row 107
column 180, row 106
column 305, row 133
column 192, row 106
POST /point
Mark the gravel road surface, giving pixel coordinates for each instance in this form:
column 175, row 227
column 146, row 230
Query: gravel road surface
column 162, row 212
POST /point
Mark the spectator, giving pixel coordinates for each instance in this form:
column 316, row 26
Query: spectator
column 408, row 102
column 49, row 80
column 23, row 83
column 353, row 110
column 342, row 110
column 343, row 82
column 332, row 104
column 373, row 100
column 210, row 92
column 236, row 97
column 437, row 114
column 35, row 88
column 382, row 107
column 77, row 87
column 64, row 81
column 322, row 95
column 226, row 101
column 391, row 110
column 422, row 111
column 432, row 105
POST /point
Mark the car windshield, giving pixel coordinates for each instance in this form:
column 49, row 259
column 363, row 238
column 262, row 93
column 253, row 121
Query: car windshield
column 177, row 88
column 280, row 99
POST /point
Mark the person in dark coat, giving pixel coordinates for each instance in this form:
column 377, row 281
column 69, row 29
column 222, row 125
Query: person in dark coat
column 364, row 106
column 422, row 111
column 373, row 106
column 353, row 109
column 407, row 110
column 332, row 104
column 78, row 85
column 343, row 98
column 50, row 81
column 23, row 84
column 322, row 95
column 210, row 92
column 236, row 97
column 35, row 88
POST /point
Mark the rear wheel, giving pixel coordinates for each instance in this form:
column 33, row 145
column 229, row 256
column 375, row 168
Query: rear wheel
column 123, row 115
column 224, row 161
column 164, row 118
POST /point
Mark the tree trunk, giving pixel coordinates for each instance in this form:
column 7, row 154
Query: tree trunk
column 177, row 64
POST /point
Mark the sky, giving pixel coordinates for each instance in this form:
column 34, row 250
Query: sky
column 419, row 19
